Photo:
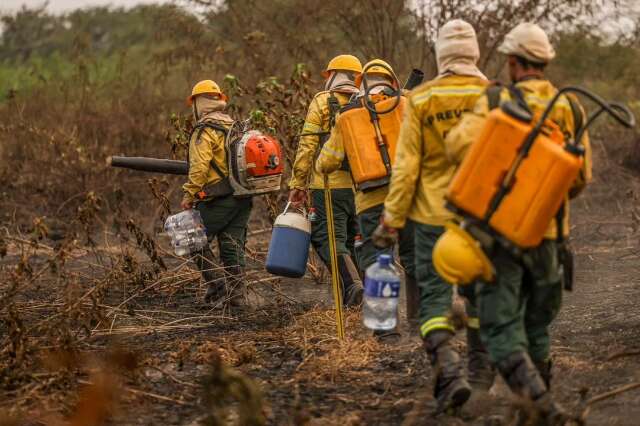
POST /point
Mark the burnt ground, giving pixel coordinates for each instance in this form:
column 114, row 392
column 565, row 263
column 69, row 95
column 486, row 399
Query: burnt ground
column 284, row 348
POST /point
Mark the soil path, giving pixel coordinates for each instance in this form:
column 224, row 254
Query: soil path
column 365, row 382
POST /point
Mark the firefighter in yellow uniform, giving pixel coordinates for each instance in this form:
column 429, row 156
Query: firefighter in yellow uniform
column 516, row 310
column 340, row 75
column 209, row 191
column 421, row 175
column 369, row 205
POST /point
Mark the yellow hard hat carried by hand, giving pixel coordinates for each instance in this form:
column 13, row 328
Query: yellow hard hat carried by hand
column 379, row 67
column 458, row 258
column 205, row 87
column 343, row 63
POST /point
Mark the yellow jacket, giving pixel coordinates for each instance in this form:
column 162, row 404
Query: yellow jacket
column 318, row 116
column 421, row 171
column 202, row 150
column 537, row 94
column 330, row 159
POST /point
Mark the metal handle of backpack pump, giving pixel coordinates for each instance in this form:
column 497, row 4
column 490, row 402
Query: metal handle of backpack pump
column 612, row 108
column 370, row 106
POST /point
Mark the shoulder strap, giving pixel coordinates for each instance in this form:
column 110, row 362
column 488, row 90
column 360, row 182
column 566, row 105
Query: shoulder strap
column 493, row 95
column 334, row 107
column 518, row 95
column 494, row 91
column 199, row 128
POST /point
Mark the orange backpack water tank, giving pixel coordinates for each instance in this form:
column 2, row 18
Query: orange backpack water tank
column 361, row 144
column 542, row 178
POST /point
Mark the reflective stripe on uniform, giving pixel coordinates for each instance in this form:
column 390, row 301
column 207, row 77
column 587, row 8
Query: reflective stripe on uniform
column 473, row 322
column 447, row 91
column 437, row 323
column 332, row 153
column 311, row 128
column 543, row 103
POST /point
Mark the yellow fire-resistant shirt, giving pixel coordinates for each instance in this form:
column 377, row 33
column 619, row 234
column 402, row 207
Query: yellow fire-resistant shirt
column 422, row 172
column 303, row 175
column 537, row 94
column 202, row 150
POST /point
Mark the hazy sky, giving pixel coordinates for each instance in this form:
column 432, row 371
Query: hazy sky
column 66, row 5
column 608, row 24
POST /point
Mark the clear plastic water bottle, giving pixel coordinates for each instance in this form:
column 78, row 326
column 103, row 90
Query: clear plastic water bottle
column 381, row 292
column 187, row 232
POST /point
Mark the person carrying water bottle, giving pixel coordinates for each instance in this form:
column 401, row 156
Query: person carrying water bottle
column 421, row 175
column 208, row 190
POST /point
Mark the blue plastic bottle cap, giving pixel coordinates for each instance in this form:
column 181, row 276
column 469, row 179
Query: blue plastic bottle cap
column 384, row 260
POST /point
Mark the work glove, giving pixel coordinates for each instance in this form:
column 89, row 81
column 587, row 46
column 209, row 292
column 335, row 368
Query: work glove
column 297, row 196
column 384, row 236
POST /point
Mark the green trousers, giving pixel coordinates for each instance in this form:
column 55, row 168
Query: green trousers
column 369, row 221
column 226, row 219
column 516, row 310
column 344, row 217
column 435, row 293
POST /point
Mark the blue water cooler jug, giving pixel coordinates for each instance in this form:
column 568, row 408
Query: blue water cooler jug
column 289, row 246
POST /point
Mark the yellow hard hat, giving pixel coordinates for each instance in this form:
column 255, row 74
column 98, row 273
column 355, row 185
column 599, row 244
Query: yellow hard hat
column 377, row 66
column 343, row 63
column 458, row 258
column 205, row 86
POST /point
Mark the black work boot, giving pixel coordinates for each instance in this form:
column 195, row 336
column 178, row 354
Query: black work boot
column 352, row 288
column 215, row 287
column 523, row 379
column 235, row 286
column 544, row 368
column 481, row 373
column 413, row 301
column 451, row 388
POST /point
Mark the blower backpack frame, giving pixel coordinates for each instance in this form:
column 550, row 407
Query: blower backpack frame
column 240, row 167
column 241, row 181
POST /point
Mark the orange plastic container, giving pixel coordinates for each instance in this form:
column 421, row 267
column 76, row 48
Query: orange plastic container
column 361, row 145
column 541, row 182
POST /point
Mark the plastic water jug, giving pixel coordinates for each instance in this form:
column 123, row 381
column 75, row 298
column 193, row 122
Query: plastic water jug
column 381, row 292
column 289, row 246
column 187, row 232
